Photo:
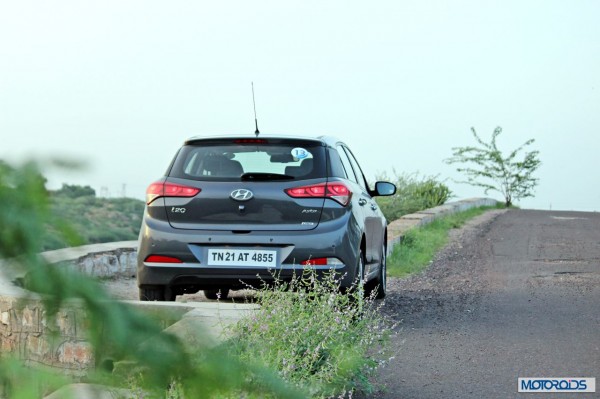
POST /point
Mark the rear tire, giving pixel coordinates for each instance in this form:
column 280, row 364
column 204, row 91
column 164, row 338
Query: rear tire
column 379, row 284
column 358, row 283
column 153, row 293
column 220, row 293
column 360, row 269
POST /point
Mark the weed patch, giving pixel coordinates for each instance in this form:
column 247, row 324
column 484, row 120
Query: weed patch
column 317, row 340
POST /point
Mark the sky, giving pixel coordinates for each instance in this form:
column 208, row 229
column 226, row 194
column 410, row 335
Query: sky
column 119, row 85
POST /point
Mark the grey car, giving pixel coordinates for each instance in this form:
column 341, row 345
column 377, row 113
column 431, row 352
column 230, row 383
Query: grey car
column 233, row 212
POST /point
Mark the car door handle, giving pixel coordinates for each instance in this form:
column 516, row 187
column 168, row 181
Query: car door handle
column 362, row 201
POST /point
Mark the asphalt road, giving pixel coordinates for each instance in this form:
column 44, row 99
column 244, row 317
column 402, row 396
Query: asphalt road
column 516, row 294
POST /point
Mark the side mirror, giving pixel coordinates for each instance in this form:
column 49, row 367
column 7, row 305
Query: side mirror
column 384, row 188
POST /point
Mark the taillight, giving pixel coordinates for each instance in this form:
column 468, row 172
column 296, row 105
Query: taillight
column 314, row 262
column 334, row 190
column 162, row 189
column 162, row 259
column 331, row 262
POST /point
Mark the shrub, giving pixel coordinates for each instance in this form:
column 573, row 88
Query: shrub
column 414, row 193
column 319, row 339
column 75, row 191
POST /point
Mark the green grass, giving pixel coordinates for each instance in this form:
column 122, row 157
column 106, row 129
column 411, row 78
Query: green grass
column 419, row 245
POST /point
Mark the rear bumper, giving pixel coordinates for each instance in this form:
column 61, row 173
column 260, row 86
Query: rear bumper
column 232, row 279
column 339, row 239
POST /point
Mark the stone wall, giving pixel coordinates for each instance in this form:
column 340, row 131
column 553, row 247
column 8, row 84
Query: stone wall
column 27, row 332
column 119, row 263
column 106, row 260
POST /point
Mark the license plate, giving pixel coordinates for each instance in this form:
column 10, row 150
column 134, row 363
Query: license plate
column 242, row 257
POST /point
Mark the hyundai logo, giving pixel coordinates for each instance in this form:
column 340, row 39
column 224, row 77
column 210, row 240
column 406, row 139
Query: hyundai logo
column 241, row 194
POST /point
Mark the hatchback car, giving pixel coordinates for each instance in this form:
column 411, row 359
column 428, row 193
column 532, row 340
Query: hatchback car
column 234, row 212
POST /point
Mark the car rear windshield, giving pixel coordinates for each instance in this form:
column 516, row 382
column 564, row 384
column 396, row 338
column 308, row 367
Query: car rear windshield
column 254, row 160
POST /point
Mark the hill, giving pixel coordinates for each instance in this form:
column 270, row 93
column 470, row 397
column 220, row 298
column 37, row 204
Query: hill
column 91, row 219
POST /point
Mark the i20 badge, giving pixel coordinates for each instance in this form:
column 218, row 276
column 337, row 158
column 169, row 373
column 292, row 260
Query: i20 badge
column 241, row 194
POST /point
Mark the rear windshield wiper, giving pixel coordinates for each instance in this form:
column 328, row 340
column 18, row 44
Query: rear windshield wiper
column 265, row 176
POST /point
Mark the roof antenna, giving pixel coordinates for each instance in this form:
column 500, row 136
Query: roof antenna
column 256, row 132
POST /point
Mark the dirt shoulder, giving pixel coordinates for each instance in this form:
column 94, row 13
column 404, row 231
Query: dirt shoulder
column 412, row 296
